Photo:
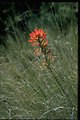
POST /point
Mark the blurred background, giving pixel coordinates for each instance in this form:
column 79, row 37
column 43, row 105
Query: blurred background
column 7, row 8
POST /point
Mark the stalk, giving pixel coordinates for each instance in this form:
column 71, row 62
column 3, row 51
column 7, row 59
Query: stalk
column 58, row 84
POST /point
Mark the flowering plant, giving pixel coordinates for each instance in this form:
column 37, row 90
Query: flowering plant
column 38, row 38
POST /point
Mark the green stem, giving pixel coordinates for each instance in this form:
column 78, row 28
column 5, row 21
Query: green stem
column 58, row 84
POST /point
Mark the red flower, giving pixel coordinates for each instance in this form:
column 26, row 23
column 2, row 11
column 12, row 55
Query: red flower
column 36, row 35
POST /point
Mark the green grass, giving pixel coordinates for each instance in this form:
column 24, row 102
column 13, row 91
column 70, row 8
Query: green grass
column 29, row 90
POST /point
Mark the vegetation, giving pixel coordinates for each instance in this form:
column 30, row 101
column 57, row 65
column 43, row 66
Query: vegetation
column 28, row 89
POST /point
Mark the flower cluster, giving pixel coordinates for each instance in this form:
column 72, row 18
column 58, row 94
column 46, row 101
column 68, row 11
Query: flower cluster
column 38, row 37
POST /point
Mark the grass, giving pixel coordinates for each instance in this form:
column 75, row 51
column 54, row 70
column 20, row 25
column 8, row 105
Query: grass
column 29, row 90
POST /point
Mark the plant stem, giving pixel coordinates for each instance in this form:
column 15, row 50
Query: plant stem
column 58, row 84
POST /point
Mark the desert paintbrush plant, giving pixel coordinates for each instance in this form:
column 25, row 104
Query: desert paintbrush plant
column 38, row 38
